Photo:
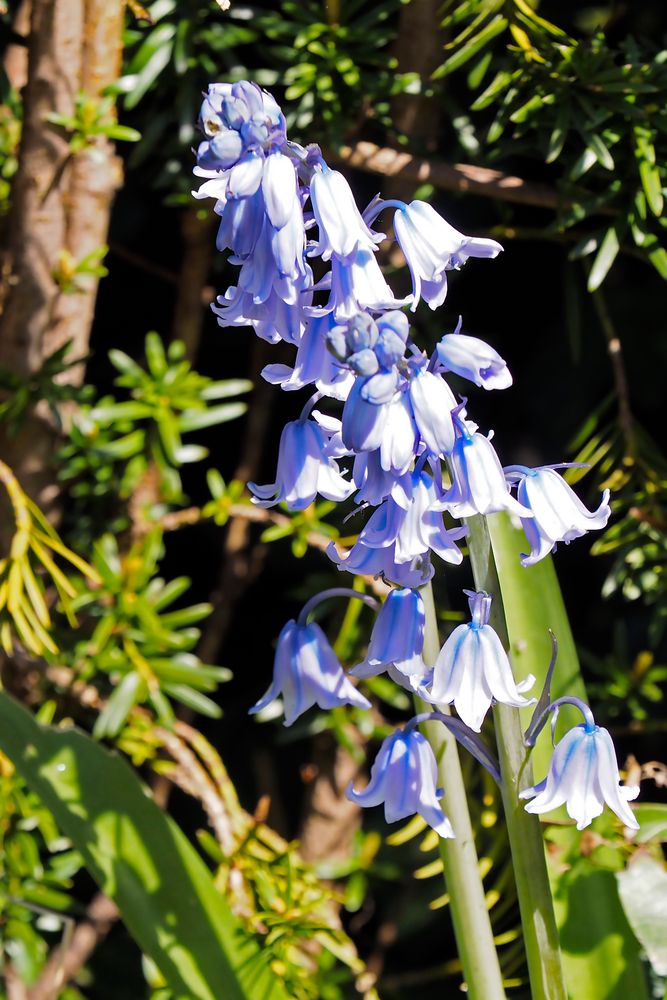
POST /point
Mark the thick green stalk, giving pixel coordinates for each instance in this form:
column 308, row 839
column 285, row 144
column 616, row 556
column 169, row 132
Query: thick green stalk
column 540, row 932
column 472, row 926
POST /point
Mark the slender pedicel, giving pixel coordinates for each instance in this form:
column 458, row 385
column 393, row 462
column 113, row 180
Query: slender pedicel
column 334, row 592
column 466, row 737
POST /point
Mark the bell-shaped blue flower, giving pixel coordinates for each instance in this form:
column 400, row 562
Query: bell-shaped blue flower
column 342, row 231
column 306, row 672
column 363, row 560
column 478, row 481
column 358, row 284
column 400, row 438
column 397, row 640
column 583, row 775
column 473, row 359
column 472, row 669
column 373, row 482
column 432, row 247
column 432, row 403
column 558, row 515
column 313, row 363
column 404, row 777
column 304, row 470
column 411, row 520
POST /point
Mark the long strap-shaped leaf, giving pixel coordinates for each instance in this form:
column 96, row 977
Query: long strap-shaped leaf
column 600, row 953
column 139, row 858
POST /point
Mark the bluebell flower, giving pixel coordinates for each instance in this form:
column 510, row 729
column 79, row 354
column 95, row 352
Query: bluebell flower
column 432, row 403
column 313, row 363
column 400, row 437
column 404, row 777
column 478, row 481
column 432, row 247
column 306, row 672
column 363, row 421
column 473, row 359
column 411, row 520
column 342, row 231
column 304, row 470
column 558, row 515
column 373, row 482
column 472, row 669
column 583, row 775
column 364, row 560
column 397, row 640
column 238, row 117
column 358, row 284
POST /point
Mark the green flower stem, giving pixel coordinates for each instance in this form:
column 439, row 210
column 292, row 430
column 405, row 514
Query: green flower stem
column 540, row 932
column 472, row 926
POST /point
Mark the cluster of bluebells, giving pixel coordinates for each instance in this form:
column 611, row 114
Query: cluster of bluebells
column 382, row 425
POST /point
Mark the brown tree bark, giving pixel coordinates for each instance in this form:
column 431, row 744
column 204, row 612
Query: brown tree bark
column 60, row 200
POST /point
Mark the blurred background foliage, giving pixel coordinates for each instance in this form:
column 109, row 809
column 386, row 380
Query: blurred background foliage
column 150, row 568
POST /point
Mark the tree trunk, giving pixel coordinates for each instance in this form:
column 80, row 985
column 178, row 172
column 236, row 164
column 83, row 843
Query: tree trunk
column 60, row 200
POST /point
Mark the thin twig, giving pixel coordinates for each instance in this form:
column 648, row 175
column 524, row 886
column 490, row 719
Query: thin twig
column 451, row 177
column 66, row 961
column 614, row 349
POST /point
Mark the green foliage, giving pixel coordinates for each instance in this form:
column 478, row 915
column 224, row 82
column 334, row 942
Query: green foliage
column 116, row 447
column 19, row 392
column 37, row 867
column 624, row 458
column 334, row 60
column 10, row 134
column 140, row 859
column 600, row 951
column 625, row 687
column 134, row 638
column 93, row 117
column 334, row 77
column 69, row 272
column 35, row 545
column 593, row 110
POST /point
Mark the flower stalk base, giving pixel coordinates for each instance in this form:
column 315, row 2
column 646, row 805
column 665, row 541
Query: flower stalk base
column 540, row 932
column 472, row 926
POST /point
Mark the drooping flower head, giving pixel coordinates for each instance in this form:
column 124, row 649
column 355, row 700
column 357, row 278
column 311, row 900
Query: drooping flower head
column 307, row 672
column 432, row 247
column 304, row 470
column 404, row 777
column 472, row 669
column 397, row 640
column 558, row 515
column 583, row 775
column 473, row 359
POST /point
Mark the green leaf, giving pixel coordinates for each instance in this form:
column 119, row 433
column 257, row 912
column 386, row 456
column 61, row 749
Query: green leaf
column 605, row 257
column 494, row 28
column 600, row 957
column 131, row 690
column 230, row 387
column 600, row 952
column 159, row 46
column 194, row 420
column 643, row 891
column 652, row 819
column 141, row 860
column 533, row 605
